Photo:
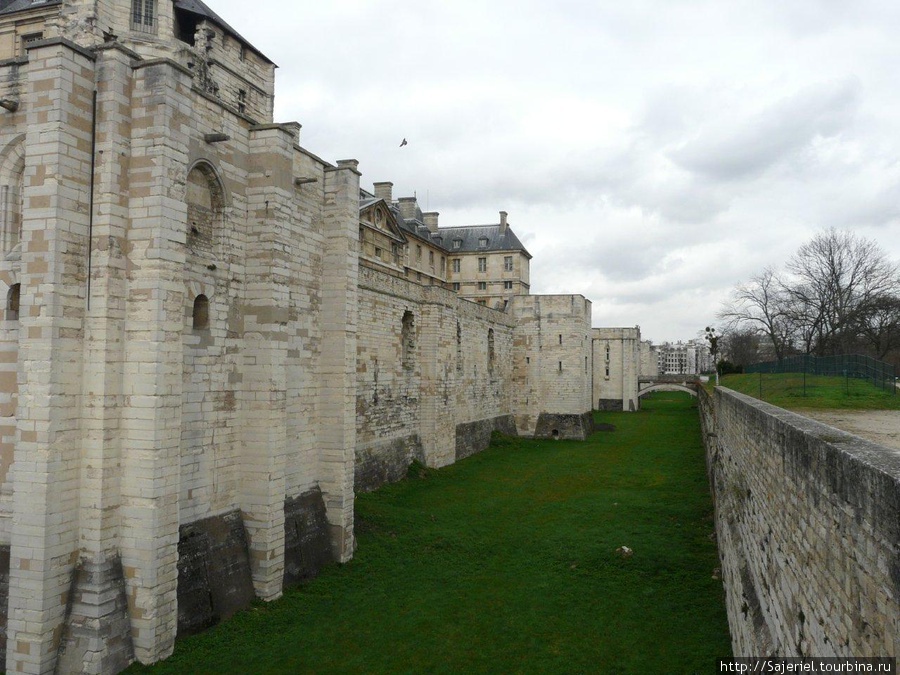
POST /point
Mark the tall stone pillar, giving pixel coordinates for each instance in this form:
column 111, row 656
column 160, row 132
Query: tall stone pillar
column 97, row 634
column 437, row 340
column 44, row 539
column 337, row 367
column 154, row 319
column 266, row 323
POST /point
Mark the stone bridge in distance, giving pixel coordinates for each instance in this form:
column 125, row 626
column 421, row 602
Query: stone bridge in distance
column 686, row 383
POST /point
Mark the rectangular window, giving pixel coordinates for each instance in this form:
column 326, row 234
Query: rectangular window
column 378, row 253
column 431, row 259
column 482, row 264
column 143, row 16
column 507, row 285
column 26, row 40
column 457, row 243
column 455, row 285
column 482, row 285
column 456, row 264
column 418, row 252
column 482, row 302
column 242, row 100
column 507, row 263
column 483, row 242
column 443, row 264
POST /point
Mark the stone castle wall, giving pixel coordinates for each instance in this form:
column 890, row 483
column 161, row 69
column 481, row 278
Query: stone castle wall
column 807, row 520
column 552, row 357
column 427, row 362
column 616, row 366
column 196, row 373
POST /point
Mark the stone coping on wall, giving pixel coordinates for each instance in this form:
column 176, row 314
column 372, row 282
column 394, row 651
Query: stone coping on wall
column 808, row 529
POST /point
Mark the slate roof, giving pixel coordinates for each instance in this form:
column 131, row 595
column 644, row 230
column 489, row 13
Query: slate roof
column 10, row 6
column 469, row 235
column 201, row 9
column 497, row 240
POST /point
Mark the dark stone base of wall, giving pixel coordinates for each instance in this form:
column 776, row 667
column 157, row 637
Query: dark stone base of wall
column 214, row 579
column 474, row 437
column 307, row 545
column 566, row 427
column 610, row 405
column 4, row 599
column 385, row 462
column 97, row 633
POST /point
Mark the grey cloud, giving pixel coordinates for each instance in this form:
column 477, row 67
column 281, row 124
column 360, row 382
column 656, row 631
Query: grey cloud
column 750, row 146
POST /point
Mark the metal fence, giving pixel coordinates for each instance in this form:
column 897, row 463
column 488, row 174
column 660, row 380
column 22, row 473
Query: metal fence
column 849, row 366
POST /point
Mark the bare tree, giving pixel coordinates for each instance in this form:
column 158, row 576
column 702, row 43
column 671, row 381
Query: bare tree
column 761, row 306
column 740, row 346
column 833, row 282
column 879, row 325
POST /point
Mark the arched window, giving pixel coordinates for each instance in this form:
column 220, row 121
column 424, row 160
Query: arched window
column 408, row 338
column 201, row 313
column 12, row 302
column 12, row 195
column 205, row 200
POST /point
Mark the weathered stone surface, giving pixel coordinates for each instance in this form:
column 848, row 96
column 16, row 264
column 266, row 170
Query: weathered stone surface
column 474, row 437
column 808, row 529
column 199, row 329
column 4, row 597
column 307, row 547
column 386, row 462
column 97, row 634
column 214, row 579
column 564, row 427
column 609, row 404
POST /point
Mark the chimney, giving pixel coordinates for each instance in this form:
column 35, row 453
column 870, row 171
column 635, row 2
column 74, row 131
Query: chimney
column 385, row 191
column 408, row 208
column 503, row 224
column 431, row 220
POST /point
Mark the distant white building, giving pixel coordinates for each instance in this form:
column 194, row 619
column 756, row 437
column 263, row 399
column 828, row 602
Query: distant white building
column 684, row 358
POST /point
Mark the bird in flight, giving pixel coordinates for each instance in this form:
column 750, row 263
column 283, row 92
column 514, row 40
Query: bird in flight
column 403, row 142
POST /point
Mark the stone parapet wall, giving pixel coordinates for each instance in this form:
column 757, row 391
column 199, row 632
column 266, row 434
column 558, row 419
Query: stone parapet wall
column 808, row 527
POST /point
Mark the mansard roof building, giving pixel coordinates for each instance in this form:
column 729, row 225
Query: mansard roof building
column 486, row 264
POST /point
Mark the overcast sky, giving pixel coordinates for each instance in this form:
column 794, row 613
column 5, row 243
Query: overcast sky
column 650, row 153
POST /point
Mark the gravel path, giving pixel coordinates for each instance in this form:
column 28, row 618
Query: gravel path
column 878, row 426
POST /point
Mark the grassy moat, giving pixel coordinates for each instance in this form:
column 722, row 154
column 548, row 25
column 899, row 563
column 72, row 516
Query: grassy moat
column 506, row 562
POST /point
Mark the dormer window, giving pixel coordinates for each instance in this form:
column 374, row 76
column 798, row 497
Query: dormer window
column 143, row 16
column 457, row 243
column 482, row 242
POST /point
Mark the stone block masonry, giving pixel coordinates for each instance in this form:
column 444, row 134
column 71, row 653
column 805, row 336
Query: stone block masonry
column 199, row 368
column 808, row 527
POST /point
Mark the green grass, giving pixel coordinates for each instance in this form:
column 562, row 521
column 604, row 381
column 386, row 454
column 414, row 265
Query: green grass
column 506, row 562
column 787, row 390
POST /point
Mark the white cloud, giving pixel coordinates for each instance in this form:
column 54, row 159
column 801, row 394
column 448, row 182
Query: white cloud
column 651, row 154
